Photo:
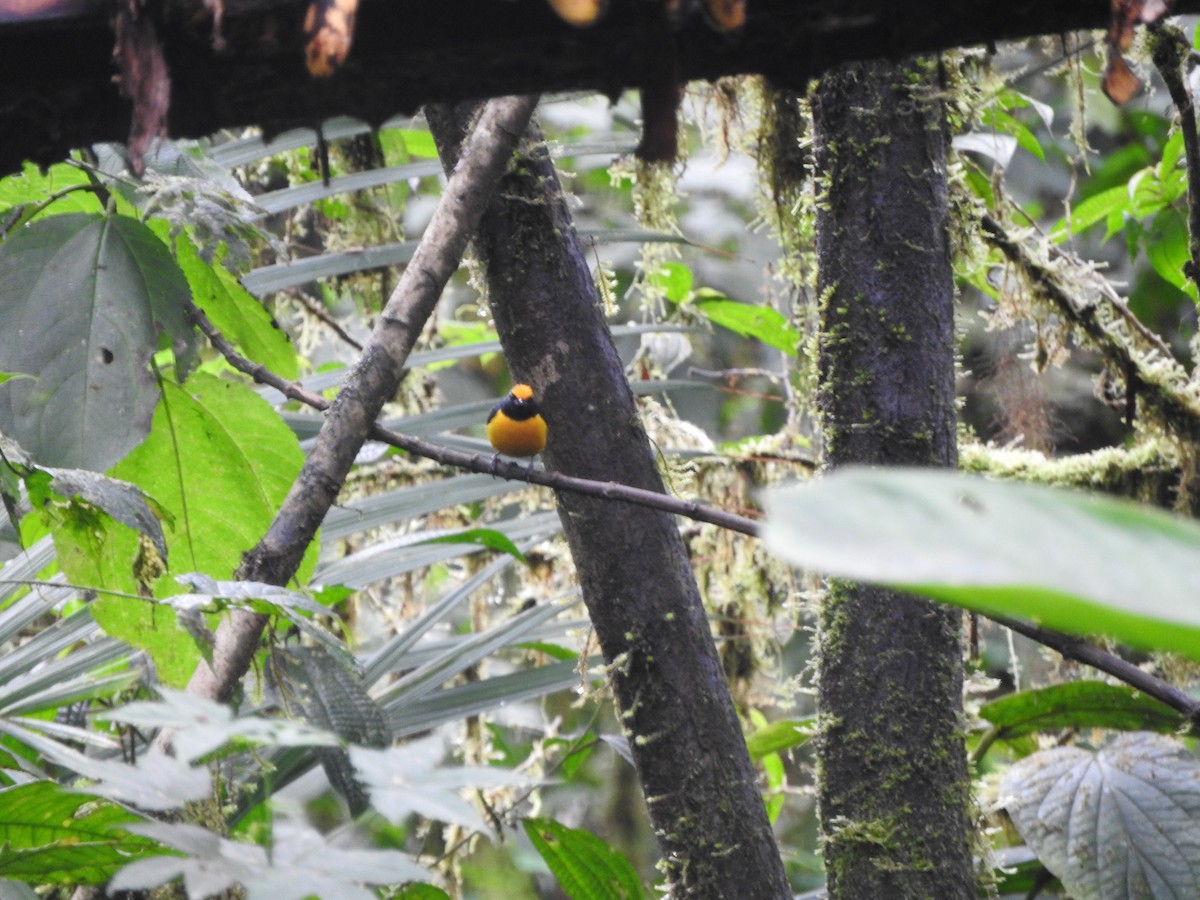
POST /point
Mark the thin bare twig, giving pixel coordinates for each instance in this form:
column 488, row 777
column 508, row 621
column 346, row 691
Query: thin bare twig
column 317, row 311
column 608, row 490
column 1091, row 655
column 1067, row 645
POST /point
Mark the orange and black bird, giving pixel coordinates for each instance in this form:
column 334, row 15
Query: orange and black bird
column 516, row 427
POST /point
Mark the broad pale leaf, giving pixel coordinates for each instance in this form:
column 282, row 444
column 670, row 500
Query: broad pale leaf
column 88, row 300
column 1117, row 824
column 199, row 725
column 994, row 145
column 412, row 778
column 303, row 863
column 1069, row 560
column 155, row 782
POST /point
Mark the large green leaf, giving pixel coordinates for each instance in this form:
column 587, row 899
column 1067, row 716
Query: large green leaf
column 88, row 300
column 585, row 866
column 763, row 322
column 1078, row 704
column 239, row 316
column 779, row 736
column 50, row 835
column 1072, row 561
column 220, row 462
column 32, row 188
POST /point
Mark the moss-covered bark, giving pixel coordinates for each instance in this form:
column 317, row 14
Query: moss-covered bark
column 893, row 786
column 674, row 702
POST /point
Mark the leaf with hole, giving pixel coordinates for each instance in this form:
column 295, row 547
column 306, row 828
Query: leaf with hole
column 88, row 300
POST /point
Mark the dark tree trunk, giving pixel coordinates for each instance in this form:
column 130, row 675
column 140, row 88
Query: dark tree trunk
column 893, row 785
column 673, row 700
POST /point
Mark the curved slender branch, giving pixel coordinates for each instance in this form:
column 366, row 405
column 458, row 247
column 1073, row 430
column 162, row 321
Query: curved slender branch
column 1123, row 670
column 1066, row 645
column 608, row 490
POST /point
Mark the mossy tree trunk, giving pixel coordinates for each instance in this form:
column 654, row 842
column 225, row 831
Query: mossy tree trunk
column 684, row 735
column 893, row 786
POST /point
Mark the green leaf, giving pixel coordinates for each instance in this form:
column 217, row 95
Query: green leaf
column 776, row 773
column 554, row 651
column 50, row 835
column 88, row 300
column 220, row 462
column 674, row 280
column 9, row 376
column 981, row 185
column 483, row 537
column 421, row 892
column 762, row 322
column 1149, row 194
column 124, row 502
column 1079, row 704
column 586, row 867
column 1172, row 153
column 782, row 735
column 418, row 143
column 399, row 145
column 1094, row 209
column 33, row 187
column 1118, row 823
column 1066, row 559
column 238, row 315
column 1002, row 121
column 1011, row 99
column 1167, row 247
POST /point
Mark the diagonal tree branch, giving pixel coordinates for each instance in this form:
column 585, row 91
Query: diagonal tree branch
column 1071, row 647
column 373, row 380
